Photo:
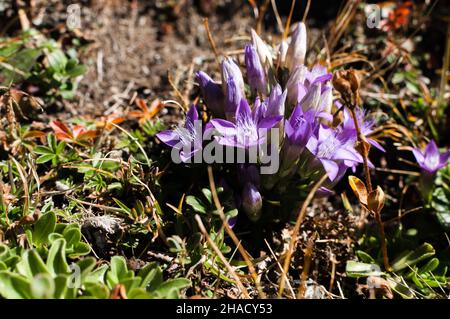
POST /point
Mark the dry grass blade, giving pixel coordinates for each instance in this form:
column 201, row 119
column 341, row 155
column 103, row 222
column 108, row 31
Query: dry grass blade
column 230, row 232
column 293, row 242
column 306, row 267
column 222, row 257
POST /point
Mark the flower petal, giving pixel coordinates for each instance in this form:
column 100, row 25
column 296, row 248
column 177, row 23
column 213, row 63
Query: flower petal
column 169, row 137
column 331, row 167
column 224, row 127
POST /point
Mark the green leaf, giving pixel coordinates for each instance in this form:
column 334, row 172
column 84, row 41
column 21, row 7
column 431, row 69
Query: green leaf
column 80, row 249
column 42, row 286
column 61, row 287
column 43, row 150
column 96, row 290
column 44, row 227
column 97, row 275
column 208, row 195
column 57, row 60
column 365, row 257
column 14, row 286
column 356, row 269
column 138, row 293
column 35, row 263
column 118, row 272
column 45, row 158
column 151, row 276
column 171, row 288
column 431, row 265
column 76, row 71
column 72, row 235
column 410, row 258
column 56, row 260
column 195, row 204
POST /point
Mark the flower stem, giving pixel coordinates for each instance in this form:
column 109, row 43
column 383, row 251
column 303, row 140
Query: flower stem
column 365, row 154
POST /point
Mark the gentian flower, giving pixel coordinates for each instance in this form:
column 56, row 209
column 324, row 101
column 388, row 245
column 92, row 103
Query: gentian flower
column 255, row 71
column 297, row 48
column 296, row 89
column 230, row 70
column 298, row 130
column 365, row 124
column 212, row 93
column 431, row 160
column 187, row 139
column 246, row 131
column 331, row 149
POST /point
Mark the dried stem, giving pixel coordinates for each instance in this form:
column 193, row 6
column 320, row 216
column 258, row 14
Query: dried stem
column 211, row 40
column 222, row 258
column 231, row 233
column 298, row 223
column 365, row 154
column 288, row 22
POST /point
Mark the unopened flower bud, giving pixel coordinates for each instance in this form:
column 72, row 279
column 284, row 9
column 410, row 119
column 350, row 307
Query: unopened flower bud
column 212, row 93
column 262, row 49
column 297, row 48
column 252, row 202
column 230, row 70
column 255, row 71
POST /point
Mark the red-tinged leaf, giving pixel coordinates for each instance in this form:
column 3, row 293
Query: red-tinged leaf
column 62, row 132
column 87, row 135
column 33, row 134
column 142, row 105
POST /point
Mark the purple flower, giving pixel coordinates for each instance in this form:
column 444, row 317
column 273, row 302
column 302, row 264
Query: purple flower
column 298, row 130
column 365, row 124
column 319, row 73
column 255, row 71
column 212, row 93
column 276, row 102
column 252, row 201
column 431, row 160
column 246, row 131
column 296, row 89
column 230, row 70
column 331, row 150
column 187, row 139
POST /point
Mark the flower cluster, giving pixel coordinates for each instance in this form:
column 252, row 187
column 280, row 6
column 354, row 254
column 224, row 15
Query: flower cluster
column 280, row 92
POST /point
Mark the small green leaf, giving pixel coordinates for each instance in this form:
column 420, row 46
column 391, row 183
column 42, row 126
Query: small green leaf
column 410, row 258
column 42, row 286
column 14, row 286
column 356, row 269
column 195, row 204
column 56, row 260
column 44, row 227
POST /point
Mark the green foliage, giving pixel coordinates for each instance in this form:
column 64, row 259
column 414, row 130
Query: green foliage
column 40, row 61
column 38, row 273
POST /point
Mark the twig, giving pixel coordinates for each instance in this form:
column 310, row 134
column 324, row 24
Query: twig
column 221, row 257
column 288, row 22
column 308, row 4
column 211, row 41
column 293, row 241
column 364, row 150
column 281, row 268
column 277, row 15
column 306, row 266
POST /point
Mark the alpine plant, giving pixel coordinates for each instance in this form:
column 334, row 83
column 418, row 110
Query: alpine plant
column 278, row 92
